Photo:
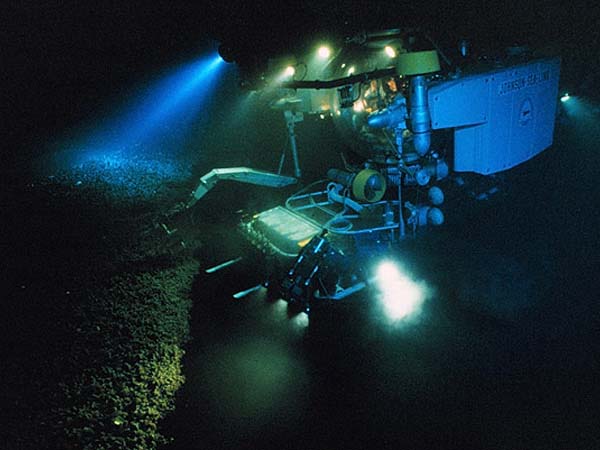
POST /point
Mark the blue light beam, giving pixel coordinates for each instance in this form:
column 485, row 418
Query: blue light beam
column 141, row 145
column 164, row 110
column 181, row 94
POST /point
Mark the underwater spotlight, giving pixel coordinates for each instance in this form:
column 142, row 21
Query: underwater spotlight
column 227, row 53
column 289, row 71
column 390, row 51
column 565, row 97
column 324, row 52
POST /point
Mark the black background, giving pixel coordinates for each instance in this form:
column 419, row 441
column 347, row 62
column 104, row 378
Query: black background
column 65, row 63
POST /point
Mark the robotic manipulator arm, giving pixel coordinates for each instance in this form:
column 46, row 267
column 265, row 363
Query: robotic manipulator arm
column 240, row 174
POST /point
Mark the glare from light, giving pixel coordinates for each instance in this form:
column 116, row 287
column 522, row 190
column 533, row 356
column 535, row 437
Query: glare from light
column 401, row 297
column 351, row 70
column 390, row 51
column 565, row 97
column 387, row 271
column 358, row 106
column 296, row 325
column 343, row 66
column 286, row 74
column 280, row 306
column 324, row 52
column 300, row 321
column 289, row 71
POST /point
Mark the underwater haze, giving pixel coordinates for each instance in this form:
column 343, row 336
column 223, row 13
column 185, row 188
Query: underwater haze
column 115, row 336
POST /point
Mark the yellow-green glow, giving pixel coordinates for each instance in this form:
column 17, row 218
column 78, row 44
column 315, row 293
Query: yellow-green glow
column 253, row 379
column 390, row 51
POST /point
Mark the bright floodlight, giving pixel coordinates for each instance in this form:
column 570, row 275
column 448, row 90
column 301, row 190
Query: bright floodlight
column 565, row 97
column 289, row 71
column 387, row 271
column 390, row 51
column 351, row 70
column 324, row 52
column 401, row 297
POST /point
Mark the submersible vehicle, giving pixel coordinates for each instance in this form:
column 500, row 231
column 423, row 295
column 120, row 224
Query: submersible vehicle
column 419, row 122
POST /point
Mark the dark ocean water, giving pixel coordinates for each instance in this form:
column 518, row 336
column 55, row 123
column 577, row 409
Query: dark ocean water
column 504, row 354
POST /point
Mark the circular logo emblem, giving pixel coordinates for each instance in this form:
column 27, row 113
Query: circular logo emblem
column 525, row 112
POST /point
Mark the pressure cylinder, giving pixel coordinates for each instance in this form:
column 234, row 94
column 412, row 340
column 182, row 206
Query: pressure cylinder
column 419, row 114
column 428, row 215
column 340, row 176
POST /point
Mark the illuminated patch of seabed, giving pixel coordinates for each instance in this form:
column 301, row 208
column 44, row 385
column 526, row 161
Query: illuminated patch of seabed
column 251, row 381
column 124, row 175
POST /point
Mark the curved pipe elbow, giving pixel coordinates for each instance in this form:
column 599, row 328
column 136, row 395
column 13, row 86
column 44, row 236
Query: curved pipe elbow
column 422, row 142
